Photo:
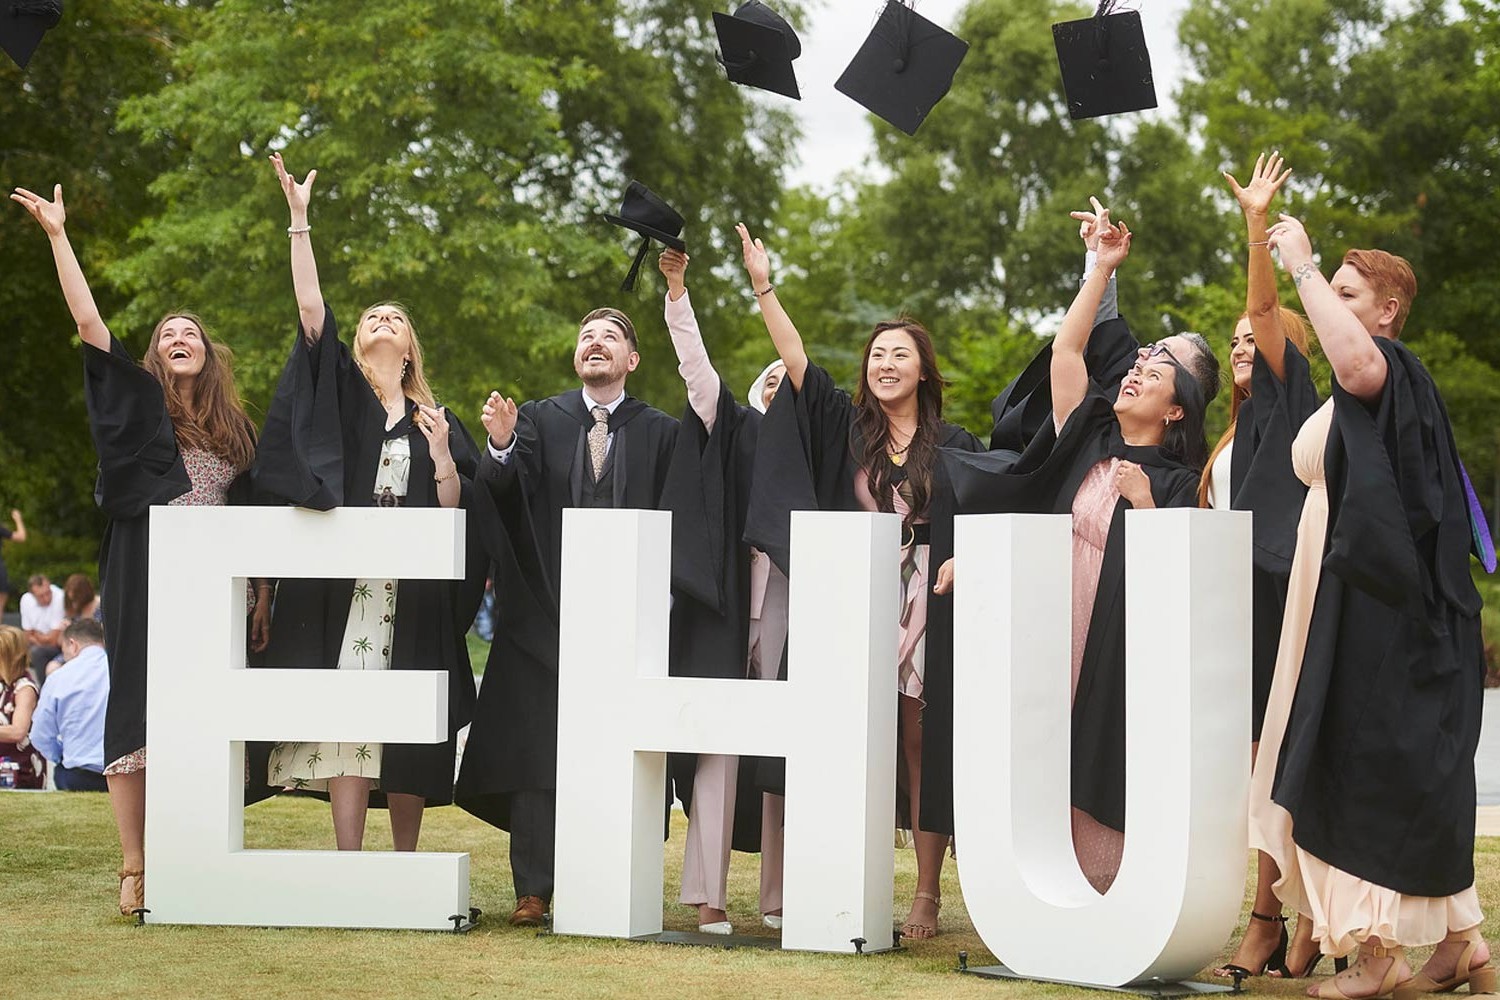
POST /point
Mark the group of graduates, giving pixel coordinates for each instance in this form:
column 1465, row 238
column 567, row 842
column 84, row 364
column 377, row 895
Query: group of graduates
column 1367, row 652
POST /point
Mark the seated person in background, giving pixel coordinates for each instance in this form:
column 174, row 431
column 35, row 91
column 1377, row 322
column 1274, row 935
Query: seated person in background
column 68, row 727
column 79, row 601
column 17, row 535
column 20, row 765
column 42, row 620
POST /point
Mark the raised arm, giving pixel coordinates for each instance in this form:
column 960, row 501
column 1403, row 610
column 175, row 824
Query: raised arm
column 1357, row 362
column 783, row 334
column 1261, row 301
column 304, row 264
column 1070, row 377
column 51, row 215
column 1090, row 226
column 19, row 534
column 692, row 357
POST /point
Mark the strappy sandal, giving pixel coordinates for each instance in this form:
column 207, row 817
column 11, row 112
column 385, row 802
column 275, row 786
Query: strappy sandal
column 137, row 898
column 1329, row 989
column 922, row 932
column 1275, row 962
column 1480, row 980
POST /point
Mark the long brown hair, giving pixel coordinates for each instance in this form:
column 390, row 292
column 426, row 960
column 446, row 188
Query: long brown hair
column 218, row 422
column 78, row 594
column 14, row 656
column 413, row 378
column 871, row 437
column 1294, row 329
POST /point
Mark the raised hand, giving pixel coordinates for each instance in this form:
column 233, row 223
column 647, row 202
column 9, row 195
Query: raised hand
column 499, row 419
column 757, row 261
column 1265, row 181
column 50, row 214
column 1114, row 246
column 1290, row 239
column 1091, row 225
column 673, row 264
column 298, row 196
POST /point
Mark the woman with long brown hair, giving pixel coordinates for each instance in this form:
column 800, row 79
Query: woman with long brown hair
column 1251, row 469
column 382, row 441
column 876, row 451
column 169, row 430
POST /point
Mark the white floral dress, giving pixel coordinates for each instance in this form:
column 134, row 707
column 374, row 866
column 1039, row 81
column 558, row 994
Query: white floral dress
column 366, row 646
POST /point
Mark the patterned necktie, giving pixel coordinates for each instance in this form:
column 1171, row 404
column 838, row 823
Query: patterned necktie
column 598, row 440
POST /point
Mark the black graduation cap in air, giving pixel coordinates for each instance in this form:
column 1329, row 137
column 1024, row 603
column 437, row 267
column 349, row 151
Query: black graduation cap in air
column 1106, row 69
column 645, row 213
column 757, row 47
column 23, row 23
column 903, row 68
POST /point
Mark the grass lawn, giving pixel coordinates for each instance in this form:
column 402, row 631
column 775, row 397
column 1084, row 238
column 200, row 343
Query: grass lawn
column 59, row 857
column 479, row 651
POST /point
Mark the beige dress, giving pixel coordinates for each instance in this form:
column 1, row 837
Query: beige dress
column 366, row 646
column 1345, row 909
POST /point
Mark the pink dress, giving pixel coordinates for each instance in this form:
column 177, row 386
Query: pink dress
column 1097, row 846
column 911, row 646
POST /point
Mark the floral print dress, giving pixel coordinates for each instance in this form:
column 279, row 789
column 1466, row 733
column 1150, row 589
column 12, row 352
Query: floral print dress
column 366, row 646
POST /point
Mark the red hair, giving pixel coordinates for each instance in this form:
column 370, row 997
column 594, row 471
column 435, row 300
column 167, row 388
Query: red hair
column 1390, row 276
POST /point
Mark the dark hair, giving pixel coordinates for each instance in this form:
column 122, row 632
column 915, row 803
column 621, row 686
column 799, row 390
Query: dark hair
column 85, row 632
column 38, row 580
column 1204, row 369
column 870, row 440
column 78, row 593
column 618, row 319
column 1184, row 439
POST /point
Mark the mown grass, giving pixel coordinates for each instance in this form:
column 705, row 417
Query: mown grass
column 58, row 858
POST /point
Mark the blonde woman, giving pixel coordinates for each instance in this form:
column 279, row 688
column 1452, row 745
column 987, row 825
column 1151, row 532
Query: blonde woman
column 356, row 425
column 20, row 765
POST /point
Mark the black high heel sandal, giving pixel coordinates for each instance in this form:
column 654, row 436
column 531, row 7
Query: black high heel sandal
column 1275, row 962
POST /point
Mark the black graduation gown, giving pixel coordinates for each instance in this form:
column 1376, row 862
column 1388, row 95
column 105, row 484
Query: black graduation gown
column 140, row 466
column 708, row 493
column 1377, row 767
column 1261, row 480
column 323, row 435
column 518, row 514
column 1045, row 479
column 804, row 461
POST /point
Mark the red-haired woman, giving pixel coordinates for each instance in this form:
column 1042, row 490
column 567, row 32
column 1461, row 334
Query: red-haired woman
column 1251, row 469
column 876, row 451
column 1363, row 790
column 169, row 430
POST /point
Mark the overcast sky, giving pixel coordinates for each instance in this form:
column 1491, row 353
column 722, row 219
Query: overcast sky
column 836, row 133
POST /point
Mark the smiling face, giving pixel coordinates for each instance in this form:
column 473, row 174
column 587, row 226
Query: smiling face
column 770, row 385
column 604, row 354
column 1148, row 395
column 384, row 329
column 181, row 347
column 1242, row 353
column 893, row 368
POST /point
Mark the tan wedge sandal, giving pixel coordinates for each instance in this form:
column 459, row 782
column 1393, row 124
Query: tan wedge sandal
column 1480, row 980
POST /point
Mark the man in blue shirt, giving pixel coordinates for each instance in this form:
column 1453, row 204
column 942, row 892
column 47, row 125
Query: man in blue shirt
column 68, row 726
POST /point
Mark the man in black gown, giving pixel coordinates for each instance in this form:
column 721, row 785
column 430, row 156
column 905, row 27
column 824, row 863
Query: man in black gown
column 594, row 447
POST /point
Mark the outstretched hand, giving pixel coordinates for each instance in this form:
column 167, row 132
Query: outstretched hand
column 1290, row 239
column 298, row 196
column 499, row 419
column 50, row 214
column 1091, row 225
column 673, row 265
column 1114, row 246
column 757, row 261
column 1255, row 197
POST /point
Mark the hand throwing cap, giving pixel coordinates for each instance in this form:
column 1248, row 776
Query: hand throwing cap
column 643, row 212
column 904, row 67
column 1106, row 69
column 23, row 23
column 757, row 47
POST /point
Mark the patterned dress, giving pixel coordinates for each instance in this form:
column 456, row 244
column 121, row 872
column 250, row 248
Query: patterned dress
column 366, row 646
column 26, row 766
column 211, row 476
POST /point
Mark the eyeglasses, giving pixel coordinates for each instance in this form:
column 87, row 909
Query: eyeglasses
column 1155, row 350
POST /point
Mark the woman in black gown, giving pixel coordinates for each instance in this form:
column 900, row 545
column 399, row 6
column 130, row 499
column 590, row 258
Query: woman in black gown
column 169, row 430
column 360, row 428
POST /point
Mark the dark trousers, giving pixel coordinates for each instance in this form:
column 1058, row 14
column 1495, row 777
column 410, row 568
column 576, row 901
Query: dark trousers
column 78, row 779
column 533, row 841
column 40, row 657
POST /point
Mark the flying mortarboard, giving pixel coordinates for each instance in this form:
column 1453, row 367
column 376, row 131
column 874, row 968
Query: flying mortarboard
column 23, row 23
column 903, row 68
column 1106, row 69
column 645, row 213
column 757, row 47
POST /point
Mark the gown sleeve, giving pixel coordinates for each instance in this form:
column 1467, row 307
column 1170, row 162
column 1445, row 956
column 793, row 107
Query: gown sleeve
column 300, row 458
column 139, row 463
column 1022, row 409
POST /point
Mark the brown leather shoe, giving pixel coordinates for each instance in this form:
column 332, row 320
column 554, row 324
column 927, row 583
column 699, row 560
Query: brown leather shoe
column 529, row 912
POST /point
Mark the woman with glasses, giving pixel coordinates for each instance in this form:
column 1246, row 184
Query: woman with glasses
column 876, row 451
column 1101, row 455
